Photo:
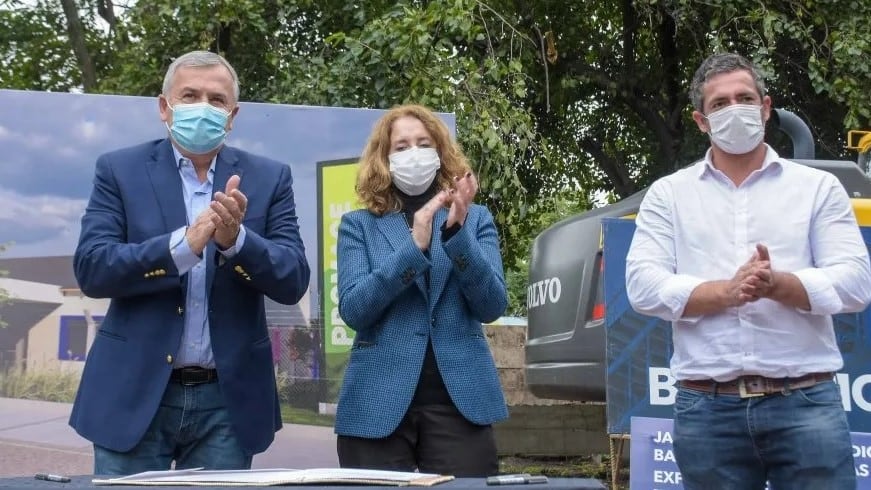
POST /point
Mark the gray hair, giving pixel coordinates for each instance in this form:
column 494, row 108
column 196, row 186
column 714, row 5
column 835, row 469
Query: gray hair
column 199, row 58
column 717, row 64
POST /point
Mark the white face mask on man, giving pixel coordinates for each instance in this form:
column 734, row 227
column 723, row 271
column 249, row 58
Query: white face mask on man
column 414, row 169
column 737, row 129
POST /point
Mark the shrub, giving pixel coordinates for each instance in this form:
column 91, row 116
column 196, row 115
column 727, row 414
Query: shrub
column 54, row 385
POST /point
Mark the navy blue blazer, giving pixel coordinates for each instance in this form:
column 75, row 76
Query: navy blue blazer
column 383, row 296
column 123, row 254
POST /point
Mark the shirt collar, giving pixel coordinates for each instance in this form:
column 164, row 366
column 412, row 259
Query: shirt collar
column 179, row 159
column 772, row 159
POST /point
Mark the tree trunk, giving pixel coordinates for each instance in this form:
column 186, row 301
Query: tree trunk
column 76, row 33
column 107, row 11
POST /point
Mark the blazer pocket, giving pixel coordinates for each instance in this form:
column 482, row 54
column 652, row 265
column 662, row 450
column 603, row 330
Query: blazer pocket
column 111, row 335
column 363, row 344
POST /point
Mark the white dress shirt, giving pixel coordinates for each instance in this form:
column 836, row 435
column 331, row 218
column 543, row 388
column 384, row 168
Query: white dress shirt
column 696, row 226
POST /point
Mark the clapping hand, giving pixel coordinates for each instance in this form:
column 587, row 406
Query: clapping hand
column 761, row 283
column 200, row 232
column 753, row 280
column 421, row 227
column 461, row 198
column 228, row 212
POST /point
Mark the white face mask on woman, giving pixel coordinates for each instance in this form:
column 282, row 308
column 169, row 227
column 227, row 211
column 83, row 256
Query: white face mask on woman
column 414, row 169
column 737, row 129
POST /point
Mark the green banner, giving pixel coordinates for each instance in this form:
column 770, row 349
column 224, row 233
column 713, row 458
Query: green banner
column 336, row 181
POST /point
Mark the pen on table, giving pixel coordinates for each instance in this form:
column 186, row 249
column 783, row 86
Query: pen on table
column 50, row 477
column 522, row 479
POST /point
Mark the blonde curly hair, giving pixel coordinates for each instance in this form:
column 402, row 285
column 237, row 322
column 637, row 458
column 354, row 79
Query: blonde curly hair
column 374, row 190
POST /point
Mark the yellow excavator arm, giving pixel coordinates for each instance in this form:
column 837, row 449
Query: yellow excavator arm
column 861, row 142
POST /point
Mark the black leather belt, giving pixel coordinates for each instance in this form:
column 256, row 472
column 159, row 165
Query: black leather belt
column 750, row 386
column 193, row 375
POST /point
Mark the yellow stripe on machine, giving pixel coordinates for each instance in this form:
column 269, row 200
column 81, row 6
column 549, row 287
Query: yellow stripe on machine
column 862, row 208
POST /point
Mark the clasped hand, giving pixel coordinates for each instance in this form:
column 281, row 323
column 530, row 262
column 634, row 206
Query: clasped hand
column 458, row 200
column 222, row 221
column 753, row 280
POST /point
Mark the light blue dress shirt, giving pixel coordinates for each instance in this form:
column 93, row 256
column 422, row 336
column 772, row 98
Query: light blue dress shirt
column 196, row 346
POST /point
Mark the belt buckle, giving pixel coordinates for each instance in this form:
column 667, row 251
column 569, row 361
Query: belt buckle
column 189, row 380
column 192, row 376
column 742, row 390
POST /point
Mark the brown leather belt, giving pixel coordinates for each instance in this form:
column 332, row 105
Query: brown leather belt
column 750, row 386
column 193, row 375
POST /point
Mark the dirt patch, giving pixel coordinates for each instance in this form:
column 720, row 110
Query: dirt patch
column 565, row 467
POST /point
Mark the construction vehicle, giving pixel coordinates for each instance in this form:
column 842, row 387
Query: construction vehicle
column 861, row 142
column 565, row 349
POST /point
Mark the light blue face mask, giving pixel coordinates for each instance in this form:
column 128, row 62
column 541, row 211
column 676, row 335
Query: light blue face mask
column 198, row 128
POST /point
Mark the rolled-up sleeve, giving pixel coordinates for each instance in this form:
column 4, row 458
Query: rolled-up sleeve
column 652, row 285
column 840, row 279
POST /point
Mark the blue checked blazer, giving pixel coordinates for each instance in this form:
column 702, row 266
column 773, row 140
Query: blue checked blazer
column 383, row 296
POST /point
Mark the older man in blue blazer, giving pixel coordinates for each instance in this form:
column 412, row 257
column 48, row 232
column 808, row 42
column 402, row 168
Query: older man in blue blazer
column 186, row 236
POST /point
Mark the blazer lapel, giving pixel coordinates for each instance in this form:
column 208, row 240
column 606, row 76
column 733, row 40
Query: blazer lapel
column 395, row 229
column 441, row 263
column 226, row 165
column 166, row 183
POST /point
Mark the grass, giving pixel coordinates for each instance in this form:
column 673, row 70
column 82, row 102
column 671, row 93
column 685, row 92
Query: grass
column 564, row 467
column 55, row 385
column 51, row 385
column 302, row 416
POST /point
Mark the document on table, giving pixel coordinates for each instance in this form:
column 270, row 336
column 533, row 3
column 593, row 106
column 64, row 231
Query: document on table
column 274, row 477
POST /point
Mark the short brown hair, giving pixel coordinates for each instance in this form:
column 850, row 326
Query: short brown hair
column 374, row 189
column 717, row 64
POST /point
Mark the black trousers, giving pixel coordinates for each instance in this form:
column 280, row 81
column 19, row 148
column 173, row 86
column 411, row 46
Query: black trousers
column 430, row 439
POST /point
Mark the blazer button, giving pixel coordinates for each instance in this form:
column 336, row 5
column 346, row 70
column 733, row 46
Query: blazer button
column 180, row 310
column 408, row 275
column 168, row 359
column 461, row 262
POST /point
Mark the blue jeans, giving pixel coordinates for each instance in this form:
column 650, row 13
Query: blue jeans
column 192, row 427
column 797, row 439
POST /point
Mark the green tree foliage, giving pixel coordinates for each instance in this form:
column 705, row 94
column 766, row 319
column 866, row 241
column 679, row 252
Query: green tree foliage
column 553, row 98
column 814, row 53
column 33, row 55
column 446, row 55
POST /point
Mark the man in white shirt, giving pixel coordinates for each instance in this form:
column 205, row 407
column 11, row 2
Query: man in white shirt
column 749, row 255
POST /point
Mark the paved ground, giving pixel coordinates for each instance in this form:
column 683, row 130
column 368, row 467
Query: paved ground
column 35, row 437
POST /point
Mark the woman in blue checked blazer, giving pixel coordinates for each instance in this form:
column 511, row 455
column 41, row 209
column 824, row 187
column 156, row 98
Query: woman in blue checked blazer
column 419, row 272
